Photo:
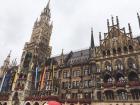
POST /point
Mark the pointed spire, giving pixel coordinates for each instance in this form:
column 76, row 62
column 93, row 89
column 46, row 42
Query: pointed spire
column 62, row 57
column 7, row 60
column 112, row 18
column 46, row 12
column 10, row 53
column 108, row 25
column 48, row 5
column 92, row 39
column 138, row 19
column 117, row 20
column 35, row 23
column 130, row 30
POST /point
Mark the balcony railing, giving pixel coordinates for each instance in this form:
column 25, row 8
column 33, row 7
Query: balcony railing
column 120, row 84
column 43, row 98
column 107, row 85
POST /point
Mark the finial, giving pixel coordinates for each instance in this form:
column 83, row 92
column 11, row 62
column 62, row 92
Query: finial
column 108, row 22
column 117, row 20
column 130, row 30
column 36, row 22
column 92, row 39
column 124, row 30
column 138, row 19
column 91, row 29
column 62, row 52
column 100, row 37
column 10, row 53
column 112, row 18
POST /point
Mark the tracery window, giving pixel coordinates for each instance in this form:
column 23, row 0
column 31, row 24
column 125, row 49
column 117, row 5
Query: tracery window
column 131, row 63
column 118, row 65
column 108, row 66
column 122, row 94
column 76, row 73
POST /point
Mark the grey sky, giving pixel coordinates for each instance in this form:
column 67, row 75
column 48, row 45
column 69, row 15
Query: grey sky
column 72, row 20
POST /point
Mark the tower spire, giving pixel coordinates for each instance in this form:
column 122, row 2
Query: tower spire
column 92, row 39
column 48, row 5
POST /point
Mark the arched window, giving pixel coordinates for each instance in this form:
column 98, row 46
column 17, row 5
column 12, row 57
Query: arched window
column 114, row 51
column 107, row 78
column 108, row 66
column 108, row 52
column 135, row 94
column 98, row 68
column 36, row 103
column 99, row 95
column 20, row 76
column 5, row 103
column 122, row 94
column 118, row 65
column 133, row 76
column 131, row 63
column 125, row 49
column 119, row 50
column 104, row 53
column 120, row 78
column 109, row 95
column 130, row 48
column 27, row 103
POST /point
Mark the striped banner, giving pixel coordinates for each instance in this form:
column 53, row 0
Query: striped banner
column 43, row 78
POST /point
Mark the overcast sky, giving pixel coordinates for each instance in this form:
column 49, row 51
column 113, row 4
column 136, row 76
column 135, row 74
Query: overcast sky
column 72, row 20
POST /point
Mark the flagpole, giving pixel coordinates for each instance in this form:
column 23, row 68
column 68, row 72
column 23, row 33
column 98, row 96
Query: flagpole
column 2, row 82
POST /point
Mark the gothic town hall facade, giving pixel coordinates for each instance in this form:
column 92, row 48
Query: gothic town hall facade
column 108, row 74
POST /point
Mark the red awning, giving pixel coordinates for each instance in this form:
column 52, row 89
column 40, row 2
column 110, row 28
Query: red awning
column 52, row 103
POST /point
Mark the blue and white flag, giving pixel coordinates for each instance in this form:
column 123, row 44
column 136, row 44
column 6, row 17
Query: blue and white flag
column 36, row 76
column 2, row 82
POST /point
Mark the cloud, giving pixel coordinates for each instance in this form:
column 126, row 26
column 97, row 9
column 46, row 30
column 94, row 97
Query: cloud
column 72, row 20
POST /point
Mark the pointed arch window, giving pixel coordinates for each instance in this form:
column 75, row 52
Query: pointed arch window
column 130, row 48
column 125, row 49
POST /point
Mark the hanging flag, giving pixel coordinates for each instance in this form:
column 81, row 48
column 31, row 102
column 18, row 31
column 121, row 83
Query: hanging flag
column 53, row 71
column 43, row 78
column 2, row 82
column 36, row 76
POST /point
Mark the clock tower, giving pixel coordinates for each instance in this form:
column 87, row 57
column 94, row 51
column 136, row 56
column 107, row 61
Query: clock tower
column 35, row 52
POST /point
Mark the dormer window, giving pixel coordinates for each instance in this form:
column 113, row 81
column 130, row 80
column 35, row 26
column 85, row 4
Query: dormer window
column 114, row 51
